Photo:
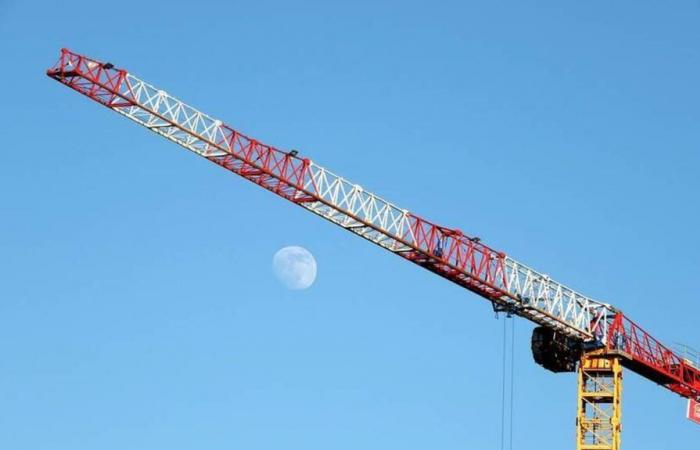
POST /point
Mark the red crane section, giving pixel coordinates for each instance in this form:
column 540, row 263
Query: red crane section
column 508, row 284
column 645, row 355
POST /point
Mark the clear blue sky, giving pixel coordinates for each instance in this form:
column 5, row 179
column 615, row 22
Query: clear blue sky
column 138, row 308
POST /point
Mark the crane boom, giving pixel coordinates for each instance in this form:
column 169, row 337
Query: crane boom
column 510, row 285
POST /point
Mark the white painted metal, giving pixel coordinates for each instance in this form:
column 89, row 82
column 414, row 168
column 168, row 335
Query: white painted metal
column 529, row 293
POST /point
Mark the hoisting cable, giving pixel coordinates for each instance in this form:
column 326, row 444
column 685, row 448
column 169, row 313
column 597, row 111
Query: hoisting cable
column 512, row 378
column 507, row 383
column 503, row 389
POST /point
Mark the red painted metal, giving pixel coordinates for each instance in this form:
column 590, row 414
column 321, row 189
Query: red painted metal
column 447, row 252
column 652, row 359
column 694, row 411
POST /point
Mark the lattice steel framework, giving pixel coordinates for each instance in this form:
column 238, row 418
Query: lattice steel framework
column 598, row 422
column 464, row 260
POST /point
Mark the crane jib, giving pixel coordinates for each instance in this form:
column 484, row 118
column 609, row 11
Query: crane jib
column 464, row 260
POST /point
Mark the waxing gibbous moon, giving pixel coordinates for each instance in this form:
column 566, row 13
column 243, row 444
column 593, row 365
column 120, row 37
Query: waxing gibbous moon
column 295, row 267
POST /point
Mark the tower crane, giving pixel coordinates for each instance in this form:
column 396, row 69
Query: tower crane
column 574, row 333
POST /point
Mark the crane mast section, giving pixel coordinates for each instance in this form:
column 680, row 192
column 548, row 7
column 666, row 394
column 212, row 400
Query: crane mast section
column 508, row 284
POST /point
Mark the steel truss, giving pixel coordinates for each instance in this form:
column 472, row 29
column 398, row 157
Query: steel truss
column 598, row 422
column 464, row 260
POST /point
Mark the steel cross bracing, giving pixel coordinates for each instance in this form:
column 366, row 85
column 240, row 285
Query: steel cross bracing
column 461, row 259
column 598, row 419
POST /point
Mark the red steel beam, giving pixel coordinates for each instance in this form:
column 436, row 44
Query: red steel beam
column 446, row 252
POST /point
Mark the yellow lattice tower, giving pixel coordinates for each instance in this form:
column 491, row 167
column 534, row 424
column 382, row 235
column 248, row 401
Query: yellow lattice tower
column 599, row 399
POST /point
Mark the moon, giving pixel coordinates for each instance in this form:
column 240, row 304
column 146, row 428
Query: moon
column 295, row 267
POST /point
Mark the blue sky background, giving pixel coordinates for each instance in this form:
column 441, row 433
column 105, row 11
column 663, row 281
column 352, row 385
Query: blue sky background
column 138, row 308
